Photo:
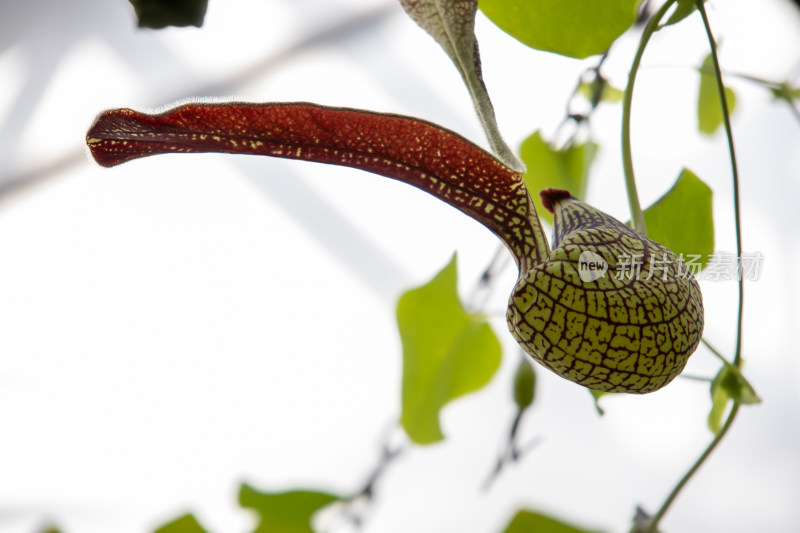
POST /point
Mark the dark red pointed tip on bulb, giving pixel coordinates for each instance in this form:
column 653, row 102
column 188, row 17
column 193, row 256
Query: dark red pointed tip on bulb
column 551, row 196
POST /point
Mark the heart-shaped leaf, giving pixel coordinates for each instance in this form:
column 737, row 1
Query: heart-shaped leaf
column 567, row 168
column 578, row 28
column 531, row 521
column 184, row 524
column 452, row 24
column 447, row 353
column 683, row 221
column 709, row 108
column 284, row 512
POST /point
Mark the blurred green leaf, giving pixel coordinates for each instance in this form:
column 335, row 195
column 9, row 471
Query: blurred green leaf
column 739, row 389
column 284, row 512
column 579, row 28
column 566, row 169
column 533, row 522
column 524, row 384
column 447, row 353
column 185, row 524
column 600, row 90
column 596, row 395
column 793, row 93
column 719, row 400
column 682, row 219
column 159, row 14
column 684, row 9
column 709, row 109
column 50, row 528
column 452, row 24
column 784, row 91
column 729, row 384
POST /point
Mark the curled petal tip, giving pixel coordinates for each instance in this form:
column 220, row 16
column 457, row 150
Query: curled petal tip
column 552, row 196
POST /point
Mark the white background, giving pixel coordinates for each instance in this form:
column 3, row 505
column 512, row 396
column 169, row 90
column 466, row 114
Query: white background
column 177, row 325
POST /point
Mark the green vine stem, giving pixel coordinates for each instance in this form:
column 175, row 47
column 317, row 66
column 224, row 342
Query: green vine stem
column 779, row 89
column 714, row 351
column 652, row 524
column 735, row 177
column 637, row 215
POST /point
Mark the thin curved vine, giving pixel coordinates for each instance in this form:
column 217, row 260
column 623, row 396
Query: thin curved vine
column 637, row 215
column 726, row 120
column 652, row 523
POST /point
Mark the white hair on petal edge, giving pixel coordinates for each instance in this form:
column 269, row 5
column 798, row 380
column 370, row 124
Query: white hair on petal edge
column 187, row 100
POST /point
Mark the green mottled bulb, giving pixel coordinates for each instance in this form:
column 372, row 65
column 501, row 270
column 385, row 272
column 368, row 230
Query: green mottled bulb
column 610, row 309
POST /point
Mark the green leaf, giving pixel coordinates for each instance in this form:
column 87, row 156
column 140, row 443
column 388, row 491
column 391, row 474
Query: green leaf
column 600, row 90
column 784, row 91
column 159, row 14
column 719, row 400
column 524, row 384
column 596, row 395
column 682, row 220
column 729, row 384
column 447, row 353
column 709, row 109
column 284, row 512
column 50, row 528
column 566, row 169
column 579, row 28
column 185, row 524
column 452, row 24
column 740, row 389
column 684, row 9
column 533, row 522
column 737, row 387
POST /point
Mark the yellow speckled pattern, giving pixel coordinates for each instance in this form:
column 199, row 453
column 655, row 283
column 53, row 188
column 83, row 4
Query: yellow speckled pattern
column 631, row 329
